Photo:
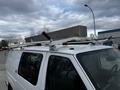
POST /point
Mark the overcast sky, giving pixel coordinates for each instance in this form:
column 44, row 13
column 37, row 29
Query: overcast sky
column 19, row 18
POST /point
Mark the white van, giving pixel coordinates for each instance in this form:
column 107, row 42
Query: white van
column 69, row 67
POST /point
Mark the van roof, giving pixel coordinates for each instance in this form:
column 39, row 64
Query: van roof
column 68, row 49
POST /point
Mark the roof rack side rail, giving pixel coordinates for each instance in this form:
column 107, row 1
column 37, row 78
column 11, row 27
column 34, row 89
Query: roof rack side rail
column 40, row 43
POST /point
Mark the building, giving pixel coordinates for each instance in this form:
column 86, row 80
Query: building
column 76, row 31
column 115, row 33
column 16, row 41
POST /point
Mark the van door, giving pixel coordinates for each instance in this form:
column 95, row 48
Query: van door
column 61, row 74
column 28, row 70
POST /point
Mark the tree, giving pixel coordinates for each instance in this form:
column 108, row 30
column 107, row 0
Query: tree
column 3, row 44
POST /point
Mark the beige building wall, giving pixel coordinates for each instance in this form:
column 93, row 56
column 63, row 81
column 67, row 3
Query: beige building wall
column 76, row 31
column 106, row 35
column 114, row 33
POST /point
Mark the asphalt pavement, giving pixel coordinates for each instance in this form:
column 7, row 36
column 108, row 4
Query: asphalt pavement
column 3, row 85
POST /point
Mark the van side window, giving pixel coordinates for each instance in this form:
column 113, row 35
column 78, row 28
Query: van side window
column 61, row 75
column 29, row 66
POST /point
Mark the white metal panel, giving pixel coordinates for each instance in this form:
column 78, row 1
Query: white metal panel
column 27, row 85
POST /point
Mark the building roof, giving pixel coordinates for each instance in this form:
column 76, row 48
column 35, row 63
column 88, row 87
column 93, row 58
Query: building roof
column 109, row 31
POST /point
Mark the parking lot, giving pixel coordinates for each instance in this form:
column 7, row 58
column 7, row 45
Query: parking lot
column 2, row 70
column 2, row 81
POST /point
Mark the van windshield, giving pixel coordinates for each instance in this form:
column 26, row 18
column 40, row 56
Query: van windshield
column 102, row 67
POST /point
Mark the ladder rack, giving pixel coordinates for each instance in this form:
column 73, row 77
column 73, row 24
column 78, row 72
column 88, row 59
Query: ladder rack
column 52, row 44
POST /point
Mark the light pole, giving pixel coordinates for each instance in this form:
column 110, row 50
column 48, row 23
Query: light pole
column 93, row 17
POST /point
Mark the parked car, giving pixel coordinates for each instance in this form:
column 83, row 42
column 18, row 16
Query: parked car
column 67, row 67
